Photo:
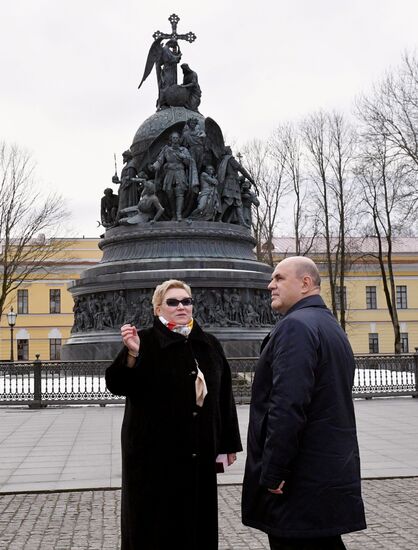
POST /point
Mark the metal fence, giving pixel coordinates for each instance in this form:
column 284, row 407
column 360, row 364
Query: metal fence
column 42, row 383
column 386, row 375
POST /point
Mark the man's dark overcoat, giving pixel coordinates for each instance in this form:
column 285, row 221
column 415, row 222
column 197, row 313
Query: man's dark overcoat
column 302, row 430
column 169, row 444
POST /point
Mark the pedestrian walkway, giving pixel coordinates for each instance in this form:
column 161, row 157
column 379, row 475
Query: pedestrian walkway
column 79, row 447
column 71, row 458
column 89, row 520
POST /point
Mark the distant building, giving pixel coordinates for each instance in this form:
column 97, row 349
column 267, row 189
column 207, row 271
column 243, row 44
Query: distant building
column 368, row 323
column 45, row 306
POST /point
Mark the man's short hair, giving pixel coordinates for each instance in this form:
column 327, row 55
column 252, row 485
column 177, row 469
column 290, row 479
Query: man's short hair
column 310, row 269
column 161, row 290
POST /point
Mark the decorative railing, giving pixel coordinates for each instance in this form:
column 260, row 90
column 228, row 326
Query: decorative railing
column 42, row 383
column 386, row 375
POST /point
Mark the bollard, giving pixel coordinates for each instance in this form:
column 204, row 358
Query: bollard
column 37, row 384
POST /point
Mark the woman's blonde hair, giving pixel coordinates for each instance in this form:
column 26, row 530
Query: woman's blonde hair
column 160, row 291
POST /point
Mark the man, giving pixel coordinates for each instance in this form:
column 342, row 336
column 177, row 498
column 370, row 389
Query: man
column 177, row 169
column 230, row 189
column 108, row 208
column 248, row 199
column 193, row 137
column 129, row 190
column 149, row 208
column 302, row 475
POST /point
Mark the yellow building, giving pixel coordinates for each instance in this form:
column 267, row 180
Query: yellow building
column 45, row 306
column 369, row 327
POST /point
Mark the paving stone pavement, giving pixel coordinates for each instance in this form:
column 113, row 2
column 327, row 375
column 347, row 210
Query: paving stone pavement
column 89, row 520
column 76, row 450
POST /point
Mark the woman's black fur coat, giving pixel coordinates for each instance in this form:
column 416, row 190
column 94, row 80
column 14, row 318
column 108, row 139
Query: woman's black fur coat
column 169, row 444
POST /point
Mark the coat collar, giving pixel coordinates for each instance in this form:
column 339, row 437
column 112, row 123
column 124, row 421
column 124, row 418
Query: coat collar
column 310, row 301
column 167, row 337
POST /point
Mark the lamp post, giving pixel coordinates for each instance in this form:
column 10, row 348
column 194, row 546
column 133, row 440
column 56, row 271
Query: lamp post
column 11, row 319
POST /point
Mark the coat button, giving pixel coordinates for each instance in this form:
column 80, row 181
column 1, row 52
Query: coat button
column 195, row 413
column 194, row 455
column 193, row 372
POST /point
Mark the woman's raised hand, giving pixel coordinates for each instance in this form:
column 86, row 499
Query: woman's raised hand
column 130, row 338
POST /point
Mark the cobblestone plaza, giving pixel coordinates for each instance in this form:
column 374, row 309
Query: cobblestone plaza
column 60, row 479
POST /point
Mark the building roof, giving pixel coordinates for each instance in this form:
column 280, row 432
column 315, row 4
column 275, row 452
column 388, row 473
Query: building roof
column 354, row 245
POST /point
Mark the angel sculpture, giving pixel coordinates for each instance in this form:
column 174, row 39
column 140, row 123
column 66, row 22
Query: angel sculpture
column 165, row 58
column 214, row 143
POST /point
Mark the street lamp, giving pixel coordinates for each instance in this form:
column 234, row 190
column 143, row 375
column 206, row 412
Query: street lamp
column 11, row 319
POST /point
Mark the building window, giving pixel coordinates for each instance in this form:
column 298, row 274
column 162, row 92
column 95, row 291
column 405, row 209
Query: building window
column 55, row 301
column 55, row 349
column 371, row 297
column 404, row 342
column 23, row 350
column 373, row 342
column 22, row 301
column 338, row 295
column 401, row 297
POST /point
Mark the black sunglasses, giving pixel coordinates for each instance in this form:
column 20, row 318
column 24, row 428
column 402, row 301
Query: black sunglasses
column 173, row 302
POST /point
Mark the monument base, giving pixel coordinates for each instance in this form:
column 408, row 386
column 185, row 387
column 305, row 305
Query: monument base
column 106, row 345
column 229, row 286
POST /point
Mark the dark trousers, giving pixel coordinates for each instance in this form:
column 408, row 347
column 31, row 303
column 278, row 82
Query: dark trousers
column 325, row 543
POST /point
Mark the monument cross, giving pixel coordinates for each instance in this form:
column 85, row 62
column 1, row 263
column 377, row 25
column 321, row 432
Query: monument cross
column 174, row 19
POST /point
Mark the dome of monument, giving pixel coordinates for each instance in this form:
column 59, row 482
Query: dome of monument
column 154, row 131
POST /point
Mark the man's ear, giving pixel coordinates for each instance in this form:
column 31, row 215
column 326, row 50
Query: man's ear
column 306, row 284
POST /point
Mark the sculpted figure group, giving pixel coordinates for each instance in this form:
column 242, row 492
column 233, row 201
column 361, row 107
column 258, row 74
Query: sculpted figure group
column 165, row 57
column 225, row 308
column 193, row 175
column 191, row 178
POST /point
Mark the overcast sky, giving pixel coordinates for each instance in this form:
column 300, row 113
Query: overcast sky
column 70, row 72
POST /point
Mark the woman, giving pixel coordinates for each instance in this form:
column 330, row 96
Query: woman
column 209, row 205
column 179, row 415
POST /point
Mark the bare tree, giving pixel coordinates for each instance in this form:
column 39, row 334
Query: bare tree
column 387, row 185
column 25, row 218
column 388, row 170
column 269, row 180
column 315, row 130
column 330, row 150
column 287, row 152
column 343, row 141
column 392, row 110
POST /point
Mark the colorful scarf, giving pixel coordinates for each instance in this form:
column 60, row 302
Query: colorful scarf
column 180, row 329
